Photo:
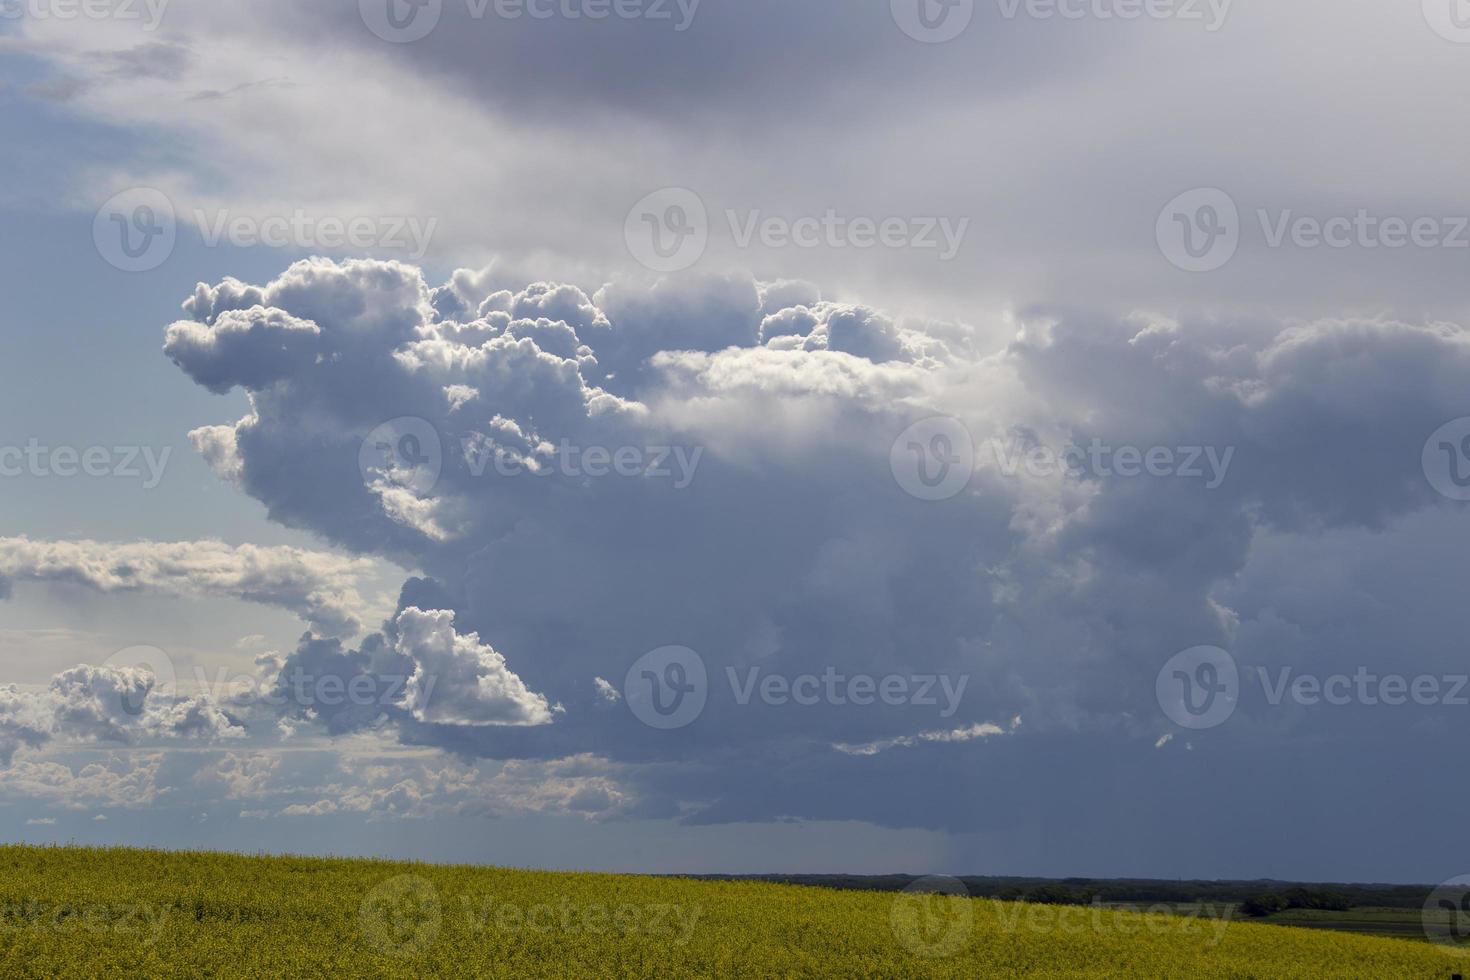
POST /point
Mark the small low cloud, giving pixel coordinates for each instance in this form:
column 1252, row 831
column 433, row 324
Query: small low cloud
column 319, row 587
column 458, row 680
column 967, row 733
column 107, row 704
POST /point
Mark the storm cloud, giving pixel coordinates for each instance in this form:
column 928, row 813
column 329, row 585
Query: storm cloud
column 801, row 549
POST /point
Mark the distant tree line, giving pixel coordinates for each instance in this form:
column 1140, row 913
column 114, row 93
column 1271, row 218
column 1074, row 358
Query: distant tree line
column 1270, row 903
column 1081, row 891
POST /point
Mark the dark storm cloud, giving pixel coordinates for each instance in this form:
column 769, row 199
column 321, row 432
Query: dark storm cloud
column 1055, row 597
column 694, row 60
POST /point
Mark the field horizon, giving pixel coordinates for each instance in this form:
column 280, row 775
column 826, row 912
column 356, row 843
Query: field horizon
column 733, row 488
column 809, row 878
column 84, row 911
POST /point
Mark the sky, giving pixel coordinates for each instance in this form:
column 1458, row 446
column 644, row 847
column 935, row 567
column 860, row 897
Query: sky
column 987, row 437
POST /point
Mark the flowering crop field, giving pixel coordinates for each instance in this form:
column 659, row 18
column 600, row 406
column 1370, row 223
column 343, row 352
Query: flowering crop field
column 84, row 912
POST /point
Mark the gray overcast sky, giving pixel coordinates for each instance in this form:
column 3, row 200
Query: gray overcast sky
column 1003, row 437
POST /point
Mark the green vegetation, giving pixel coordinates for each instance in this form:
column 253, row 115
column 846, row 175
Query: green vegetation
column 1271, row 903
column 79, row 912
column 1404, row 923
column 1146, row 891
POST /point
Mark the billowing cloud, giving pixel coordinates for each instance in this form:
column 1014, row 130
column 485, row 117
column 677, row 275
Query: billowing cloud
column 457, row 680
column 982, row 730
column 831, row 464
column 584, row 786
column 127, row 783
column 107, row 704
column 795, row 546
column 319, row 587
column 541, row 96
column 212, row 354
